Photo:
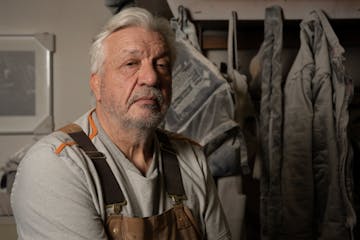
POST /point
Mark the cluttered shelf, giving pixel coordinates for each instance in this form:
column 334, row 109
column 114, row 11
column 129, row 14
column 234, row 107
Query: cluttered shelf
column 212, row 34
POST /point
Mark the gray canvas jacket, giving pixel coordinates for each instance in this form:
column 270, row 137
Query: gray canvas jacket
column 306, row 180
column 316, row 153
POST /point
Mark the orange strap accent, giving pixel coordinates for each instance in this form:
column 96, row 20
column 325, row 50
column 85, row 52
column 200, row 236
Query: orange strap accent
column 93, row 127
column 62, row 146
column 70, row 128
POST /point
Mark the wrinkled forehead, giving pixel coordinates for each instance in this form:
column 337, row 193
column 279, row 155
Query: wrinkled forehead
column 136, row 40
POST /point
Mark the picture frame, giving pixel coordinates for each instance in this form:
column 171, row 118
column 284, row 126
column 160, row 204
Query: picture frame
column 26, row 83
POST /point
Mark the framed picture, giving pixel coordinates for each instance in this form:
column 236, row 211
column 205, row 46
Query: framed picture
column 26, row 83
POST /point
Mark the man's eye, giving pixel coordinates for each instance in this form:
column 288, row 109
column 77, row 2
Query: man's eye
column 163, row 68
column 163, row 65
column 131, row 63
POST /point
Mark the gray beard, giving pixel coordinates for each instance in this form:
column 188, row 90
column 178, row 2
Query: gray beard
column 149, row 123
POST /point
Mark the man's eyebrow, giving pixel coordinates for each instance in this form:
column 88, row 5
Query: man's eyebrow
column 137, row 52
column 163, row 54
column 131, row 51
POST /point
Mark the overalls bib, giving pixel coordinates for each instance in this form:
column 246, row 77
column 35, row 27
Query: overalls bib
column 176, row 223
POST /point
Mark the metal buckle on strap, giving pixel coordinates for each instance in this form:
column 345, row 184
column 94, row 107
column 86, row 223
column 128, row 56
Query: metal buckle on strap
column 116, row 207
column 95, row 155
column 177, row 199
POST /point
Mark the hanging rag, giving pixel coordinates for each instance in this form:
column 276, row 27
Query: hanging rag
column 230, row 188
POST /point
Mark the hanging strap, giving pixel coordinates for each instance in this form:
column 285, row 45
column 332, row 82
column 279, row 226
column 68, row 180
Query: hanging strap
column 185, row 28
column 239, row 84
column 232, row 51
column 173, row 181
column 112, row 194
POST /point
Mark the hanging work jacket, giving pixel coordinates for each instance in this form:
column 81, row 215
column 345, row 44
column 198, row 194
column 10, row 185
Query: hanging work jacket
column 317, row 156
column 306, row 183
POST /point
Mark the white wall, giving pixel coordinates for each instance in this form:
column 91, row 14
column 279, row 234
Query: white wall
column 74, row 23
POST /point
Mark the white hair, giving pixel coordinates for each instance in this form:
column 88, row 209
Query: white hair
column 130, row 17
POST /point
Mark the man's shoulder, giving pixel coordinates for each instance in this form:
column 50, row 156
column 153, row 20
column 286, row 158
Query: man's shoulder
column 60, row 139
column 43, row 153
column 189, row 152
column 49, row 142
column 53, row 155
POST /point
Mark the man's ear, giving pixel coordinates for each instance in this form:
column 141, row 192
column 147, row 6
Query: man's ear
column 95, row 85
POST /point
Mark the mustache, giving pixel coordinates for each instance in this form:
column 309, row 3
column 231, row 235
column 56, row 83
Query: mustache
column 147, row 92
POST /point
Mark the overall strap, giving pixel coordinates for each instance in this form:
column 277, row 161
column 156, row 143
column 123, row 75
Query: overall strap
column 111, row 190
column 112, row 194
column 172, row 174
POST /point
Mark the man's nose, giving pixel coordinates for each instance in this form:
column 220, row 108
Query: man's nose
column 148, row 75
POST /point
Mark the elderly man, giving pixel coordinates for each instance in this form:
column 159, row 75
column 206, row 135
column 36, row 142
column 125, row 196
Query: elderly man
column 113, row 174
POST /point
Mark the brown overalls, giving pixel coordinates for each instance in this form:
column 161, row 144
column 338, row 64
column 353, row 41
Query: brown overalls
column 176, row 223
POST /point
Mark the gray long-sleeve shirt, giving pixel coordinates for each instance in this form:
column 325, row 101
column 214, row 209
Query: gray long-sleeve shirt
column 57, row 193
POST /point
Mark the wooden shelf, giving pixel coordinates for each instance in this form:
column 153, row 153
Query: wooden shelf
column 213, row 34
column 255, row 9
